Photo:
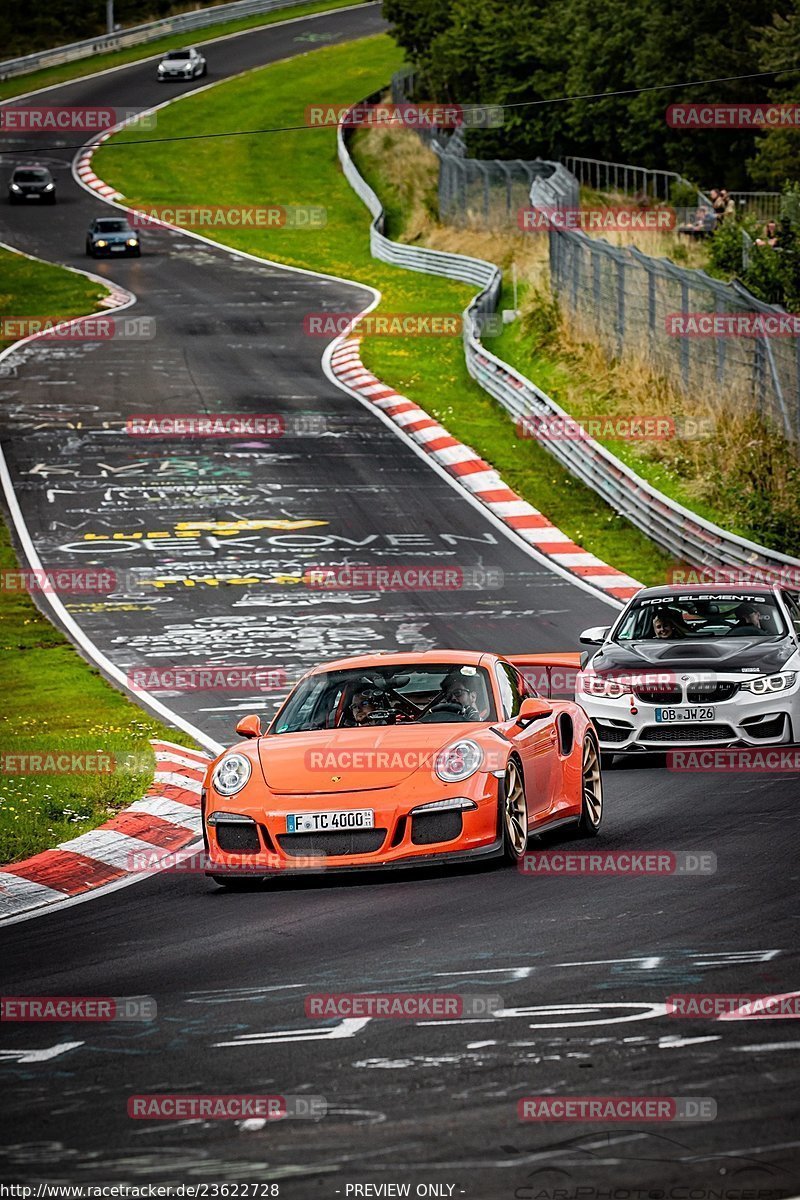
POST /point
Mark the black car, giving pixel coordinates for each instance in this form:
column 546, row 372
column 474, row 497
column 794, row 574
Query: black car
column 112, row 236
column 31, row 183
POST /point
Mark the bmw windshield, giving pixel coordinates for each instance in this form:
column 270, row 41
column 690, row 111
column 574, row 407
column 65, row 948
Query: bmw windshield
column 692, row 617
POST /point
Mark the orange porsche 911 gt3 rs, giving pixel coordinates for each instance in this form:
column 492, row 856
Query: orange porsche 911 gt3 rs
column 400, row 761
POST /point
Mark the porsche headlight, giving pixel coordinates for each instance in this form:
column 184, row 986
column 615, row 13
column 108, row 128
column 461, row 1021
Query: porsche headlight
column 133, row 241
column 764, row 685
column 600, row 685
column 458, row 761
column 15, row 187
column 49, row 187
column 231, row 774
column 101, row 242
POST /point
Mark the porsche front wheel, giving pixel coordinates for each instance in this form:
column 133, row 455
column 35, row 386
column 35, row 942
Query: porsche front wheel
column 591, row 791
column 515, row 813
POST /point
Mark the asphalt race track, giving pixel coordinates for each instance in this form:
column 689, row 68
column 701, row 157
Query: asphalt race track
column 583, row 965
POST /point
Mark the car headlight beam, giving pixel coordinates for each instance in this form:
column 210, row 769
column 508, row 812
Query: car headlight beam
column 231, row 774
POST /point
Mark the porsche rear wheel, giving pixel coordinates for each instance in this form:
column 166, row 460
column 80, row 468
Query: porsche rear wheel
column 591, row 790
column 515, row 813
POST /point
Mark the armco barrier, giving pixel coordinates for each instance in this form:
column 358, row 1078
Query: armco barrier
column 137, row 34
column 676, row 529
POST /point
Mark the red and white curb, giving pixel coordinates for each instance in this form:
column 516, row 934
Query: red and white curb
column 167, row 819
column 83, row 169
column 478, row 477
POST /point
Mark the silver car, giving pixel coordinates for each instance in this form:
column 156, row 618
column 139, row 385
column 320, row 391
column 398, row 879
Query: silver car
column 695, row 667
column 182, row 64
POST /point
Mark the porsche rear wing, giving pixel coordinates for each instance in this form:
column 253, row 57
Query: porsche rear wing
column 552, row 675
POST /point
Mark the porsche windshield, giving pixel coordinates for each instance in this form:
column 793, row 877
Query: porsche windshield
column 428, row 693
column 688, row 617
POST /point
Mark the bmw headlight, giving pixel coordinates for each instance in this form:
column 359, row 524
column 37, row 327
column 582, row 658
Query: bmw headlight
column 764, row 685
column 600, row 685
column 231, row 774
column 458, row 761
column 15, row 187
column 48, row 187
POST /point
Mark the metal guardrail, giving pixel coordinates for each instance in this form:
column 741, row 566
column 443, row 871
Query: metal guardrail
column 676, row 529
column 137, row 34
column 628, row 179
column 764, row 205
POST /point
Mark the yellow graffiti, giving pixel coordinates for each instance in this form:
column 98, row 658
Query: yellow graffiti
column 195, row 529
column 216, row 580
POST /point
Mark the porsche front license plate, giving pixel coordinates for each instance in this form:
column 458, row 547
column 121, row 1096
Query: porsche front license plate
column 358, row 818
column 676, row 715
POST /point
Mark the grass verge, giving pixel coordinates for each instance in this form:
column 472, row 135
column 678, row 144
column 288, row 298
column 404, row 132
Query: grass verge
column 244, row 170
column 116, row 58
column 53, row 701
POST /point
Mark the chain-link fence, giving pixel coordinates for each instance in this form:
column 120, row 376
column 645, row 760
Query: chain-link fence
column 705, row 336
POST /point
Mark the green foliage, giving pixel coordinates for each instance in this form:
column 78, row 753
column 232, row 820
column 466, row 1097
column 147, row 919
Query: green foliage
column 725, row 248
column 532, row 51
column 683, row 195
column 777, row 155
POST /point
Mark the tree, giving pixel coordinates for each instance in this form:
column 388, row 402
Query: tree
column 777, row 153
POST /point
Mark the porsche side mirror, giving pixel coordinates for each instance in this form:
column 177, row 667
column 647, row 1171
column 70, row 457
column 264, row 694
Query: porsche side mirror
column 594, row 636
column 249, row 726
column 533, row 708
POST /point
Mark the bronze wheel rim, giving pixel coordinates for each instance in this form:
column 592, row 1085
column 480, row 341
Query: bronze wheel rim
column 516, row 810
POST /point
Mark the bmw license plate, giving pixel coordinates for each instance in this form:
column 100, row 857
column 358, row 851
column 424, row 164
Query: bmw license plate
column 352, row 818
column 673, row 716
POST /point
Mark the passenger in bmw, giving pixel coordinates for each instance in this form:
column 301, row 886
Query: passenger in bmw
column 666, row 626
